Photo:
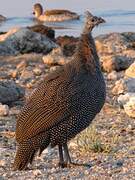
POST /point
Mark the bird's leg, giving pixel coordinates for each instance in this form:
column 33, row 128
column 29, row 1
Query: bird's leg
column 67, row 156
column 68, row 162
column 61, row 162
column 66, row 153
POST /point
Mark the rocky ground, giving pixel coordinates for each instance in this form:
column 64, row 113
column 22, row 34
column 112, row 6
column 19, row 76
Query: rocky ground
column 106, row 149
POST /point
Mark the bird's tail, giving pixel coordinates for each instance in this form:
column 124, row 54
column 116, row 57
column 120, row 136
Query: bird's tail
column 26, row 150
column 23, row 156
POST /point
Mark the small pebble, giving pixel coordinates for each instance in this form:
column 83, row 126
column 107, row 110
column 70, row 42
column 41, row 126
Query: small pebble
column 112, row 76
column 37, row 172
column 37, row 71
column 4, row 110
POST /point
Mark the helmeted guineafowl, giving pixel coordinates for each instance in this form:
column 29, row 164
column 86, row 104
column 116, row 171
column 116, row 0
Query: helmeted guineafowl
column 64, row 104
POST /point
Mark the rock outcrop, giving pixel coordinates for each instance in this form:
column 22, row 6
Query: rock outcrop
column 26, row 41
column 116, row 50
column 115, row 62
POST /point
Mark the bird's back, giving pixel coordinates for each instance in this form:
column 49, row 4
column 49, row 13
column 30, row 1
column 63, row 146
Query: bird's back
column 58, row 12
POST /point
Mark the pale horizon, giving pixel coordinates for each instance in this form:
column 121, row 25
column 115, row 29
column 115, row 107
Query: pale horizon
column 24, row 8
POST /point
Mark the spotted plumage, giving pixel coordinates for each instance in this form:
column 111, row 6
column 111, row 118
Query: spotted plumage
column 64, row 104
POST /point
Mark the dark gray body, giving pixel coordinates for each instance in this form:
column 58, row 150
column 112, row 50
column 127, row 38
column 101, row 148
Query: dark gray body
column 63, row 105
column 86, row 104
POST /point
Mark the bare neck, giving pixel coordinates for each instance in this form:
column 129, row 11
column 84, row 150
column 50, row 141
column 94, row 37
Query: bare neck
column 86, row 53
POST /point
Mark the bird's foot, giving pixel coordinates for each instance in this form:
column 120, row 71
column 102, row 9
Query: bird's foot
column 67, row 164
column 62, row 165
column 73, row 164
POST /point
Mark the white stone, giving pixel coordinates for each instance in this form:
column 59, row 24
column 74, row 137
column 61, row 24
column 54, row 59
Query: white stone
column 37, row 71
column 37, row 172
column 123, row 99
column 4, row 110
column 129, row 107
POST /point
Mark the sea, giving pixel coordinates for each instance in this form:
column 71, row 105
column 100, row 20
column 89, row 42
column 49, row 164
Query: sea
column 119, row 15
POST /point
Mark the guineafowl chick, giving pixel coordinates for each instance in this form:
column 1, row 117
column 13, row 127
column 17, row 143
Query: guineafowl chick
column 64, row 104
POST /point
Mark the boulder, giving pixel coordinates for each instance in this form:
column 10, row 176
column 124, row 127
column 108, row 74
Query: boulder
column 114, row 42
column 10, row 92
column 123, row 86
column 45, row 30
column 115, row 62
column 26, row 41
column 116, row 50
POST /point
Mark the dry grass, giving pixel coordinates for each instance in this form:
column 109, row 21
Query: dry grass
column 91, row 140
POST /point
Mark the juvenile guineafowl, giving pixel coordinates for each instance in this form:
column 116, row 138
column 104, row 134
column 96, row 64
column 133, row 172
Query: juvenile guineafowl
column 64, row 104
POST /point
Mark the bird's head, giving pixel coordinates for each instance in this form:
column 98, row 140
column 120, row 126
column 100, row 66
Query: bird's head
column 37, row 10
column 92, row 21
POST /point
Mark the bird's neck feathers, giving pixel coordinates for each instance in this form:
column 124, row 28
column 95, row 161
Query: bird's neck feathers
column 86, row 53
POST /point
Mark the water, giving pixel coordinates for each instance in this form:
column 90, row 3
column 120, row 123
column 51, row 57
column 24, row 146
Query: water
column 117, row 20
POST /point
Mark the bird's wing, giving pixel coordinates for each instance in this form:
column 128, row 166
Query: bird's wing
column 57, row 12
column 48, row 105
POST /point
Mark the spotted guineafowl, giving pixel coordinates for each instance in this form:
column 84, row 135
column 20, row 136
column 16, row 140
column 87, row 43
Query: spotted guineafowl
column 64, row 104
